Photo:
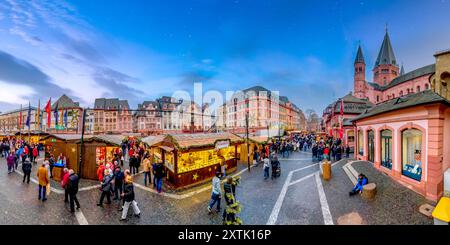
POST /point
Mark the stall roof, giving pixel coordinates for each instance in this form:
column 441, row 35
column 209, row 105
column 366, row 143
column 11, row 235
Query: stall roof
column 110, row 139
column 259, row 139
column 151, row 140
column 186, row 141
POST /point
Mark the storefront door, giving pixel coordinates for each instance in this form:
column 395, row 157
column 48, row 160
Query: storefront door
column 371, row 145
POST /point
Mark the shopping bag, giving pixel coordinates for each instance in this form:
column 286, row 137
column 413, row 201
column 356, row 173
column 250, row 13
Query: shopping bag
column 48, row 189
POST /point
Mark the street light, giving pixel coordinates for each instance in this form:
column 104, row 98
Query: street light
column 246, row 126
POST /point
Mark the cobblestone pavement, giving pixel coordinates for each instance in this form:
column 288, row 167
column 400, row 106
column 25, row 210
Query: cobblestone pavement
column 294, row 198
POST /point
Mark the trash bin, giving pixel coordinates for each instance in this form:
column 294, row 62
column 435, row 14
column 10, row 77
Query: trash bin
column 441, row 213
column 326, row 170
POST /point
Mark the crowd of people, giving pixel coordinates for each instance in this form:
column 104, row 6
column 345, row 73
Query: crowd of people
column 116, row 182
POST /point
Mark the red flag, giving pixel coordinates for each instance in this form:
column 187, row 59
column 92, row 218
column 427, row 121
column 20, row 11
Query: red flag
column 342, row 107
column 341, row 133
column 48, row 110
column 331, row 132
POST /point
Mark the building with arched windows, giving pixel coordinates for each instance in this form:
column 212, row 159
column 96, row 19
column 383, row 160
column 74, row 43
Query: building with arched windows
column 408, row 136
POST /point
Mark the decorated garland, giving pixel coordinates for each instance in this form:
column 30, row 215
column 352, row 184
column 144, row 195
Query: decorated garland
column 230, row 216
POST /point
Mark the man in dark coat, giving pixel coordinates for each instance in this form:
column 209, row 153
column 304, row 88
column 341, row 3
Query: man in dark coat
column 72, row 189
column 26, row 168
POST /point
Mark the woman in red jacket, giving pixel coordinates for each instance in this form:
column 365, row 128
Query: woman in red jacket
column 35, row 154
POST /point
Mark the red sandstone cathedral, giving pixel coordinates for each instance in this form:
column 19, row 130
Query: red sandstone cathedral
column 389, row 80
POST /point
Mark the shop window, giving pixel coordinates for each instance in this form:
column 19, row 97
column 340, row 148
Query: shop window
column 386, row 148
column 350, row 136
column 360, row 143
column 426, row 86
column 418, row 89
column 412, row 154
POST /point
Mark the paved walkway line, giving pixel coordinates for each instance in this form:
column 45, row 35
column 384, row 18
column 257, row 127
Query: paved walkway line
column 323, row 202
column 302, row 179
column 351, row 172
column 87, row 188
column 294, row 159
column 186, row 195
column 37, row 182
column 276, row 209
column 80, row 218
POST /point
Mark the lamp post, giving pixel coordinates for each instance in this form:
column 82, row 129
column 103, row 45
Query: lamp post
column 246, row 127
column 82, row 141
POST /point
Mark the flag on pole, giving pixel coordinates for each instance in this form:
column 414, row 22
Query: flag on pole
column 48, row 110
column 28, row 116
column 341, row 131
column 20, row 118
column 61, row 119
column 65, row 118
column 55, row 113
column 38, row 115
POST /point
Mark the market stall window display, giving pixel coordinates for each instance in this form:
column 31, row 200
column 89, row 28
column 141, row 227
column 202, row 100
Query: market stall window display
column 412, row 154
column 191, row 159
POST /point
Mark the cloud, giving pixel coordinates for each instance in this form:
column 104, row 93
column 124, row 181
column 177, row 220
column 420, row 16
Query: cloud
column 18, row 72
column 116, row 84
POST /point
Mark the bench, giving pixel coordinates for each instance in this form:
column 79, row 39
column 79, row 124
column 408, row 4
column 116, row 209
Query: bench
column 369, row 191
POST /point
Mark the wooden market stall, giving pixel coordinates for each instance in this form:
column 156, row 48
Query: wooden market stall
column 255, row 142
column 190, row 159
column 32, row 137
column 97, row 149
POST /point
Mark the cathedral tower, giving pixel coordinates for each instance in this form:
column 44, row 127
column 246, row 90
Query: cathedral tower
column 386, row 67
column 360, row 75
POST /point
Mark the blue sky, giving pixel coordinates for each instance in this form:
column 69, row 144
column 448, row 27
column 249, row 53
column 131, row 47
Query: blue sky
column 139, row 50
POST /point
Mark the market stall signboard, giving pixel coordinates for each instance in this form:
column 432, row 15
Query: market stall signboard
column 222, row 144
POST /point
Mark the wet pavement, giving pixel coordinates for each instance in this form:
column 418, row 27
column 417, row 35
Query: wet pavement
column 261, row 200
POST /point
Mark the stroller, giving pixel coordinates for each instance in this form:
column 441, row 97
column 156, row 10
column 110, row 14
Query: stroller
column 276, row 169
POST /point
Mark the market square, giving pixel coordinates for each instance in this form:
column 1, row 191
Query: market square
column 232, row 113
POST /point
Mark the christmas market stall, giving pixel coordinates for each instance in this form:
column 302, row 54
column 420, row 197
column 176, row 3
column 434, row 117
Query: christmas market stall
column 255, row 143
column 32, row 137
column 190, row 159
column 97, row 149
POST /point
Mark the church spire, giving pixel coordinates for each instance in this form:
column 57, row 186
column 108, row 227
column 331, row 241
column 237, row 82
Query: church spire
column 359, row 56
column 402, row 71
column 386, row 55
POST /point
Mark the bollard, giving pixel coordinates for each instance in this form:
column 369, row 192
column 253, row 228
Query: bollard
column 326, row 170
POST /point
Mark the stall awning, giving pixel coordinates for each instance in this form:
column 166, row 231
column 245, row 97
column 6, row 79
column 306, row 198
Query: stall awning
column 166, row 148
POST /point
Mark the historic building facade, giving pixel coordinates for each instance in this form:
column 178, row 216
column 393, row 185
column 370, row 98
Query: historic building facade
column 112, row 116
column 66, row 117
column 336, row 122
column 10, row 122
column 408, row 136
column 265, row 110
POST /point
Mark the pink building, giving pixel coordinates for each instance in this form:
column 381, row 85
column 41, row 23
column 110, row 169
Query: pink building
column 408, row 137
column 112, row 116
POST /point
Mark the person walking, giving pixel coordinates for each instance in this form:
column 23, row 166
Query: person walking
column 106, row 188
column 72, row 189
column 347, row 151
column 26, row 168
column 147, row 171
column 129, row 199
column 118, row 182
column 35, row 154
column 159, row 175
column 64, row 182
column 10, row 160
column 43, row 178
column 266, row 167
column 216, row 192
column 132, row 162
